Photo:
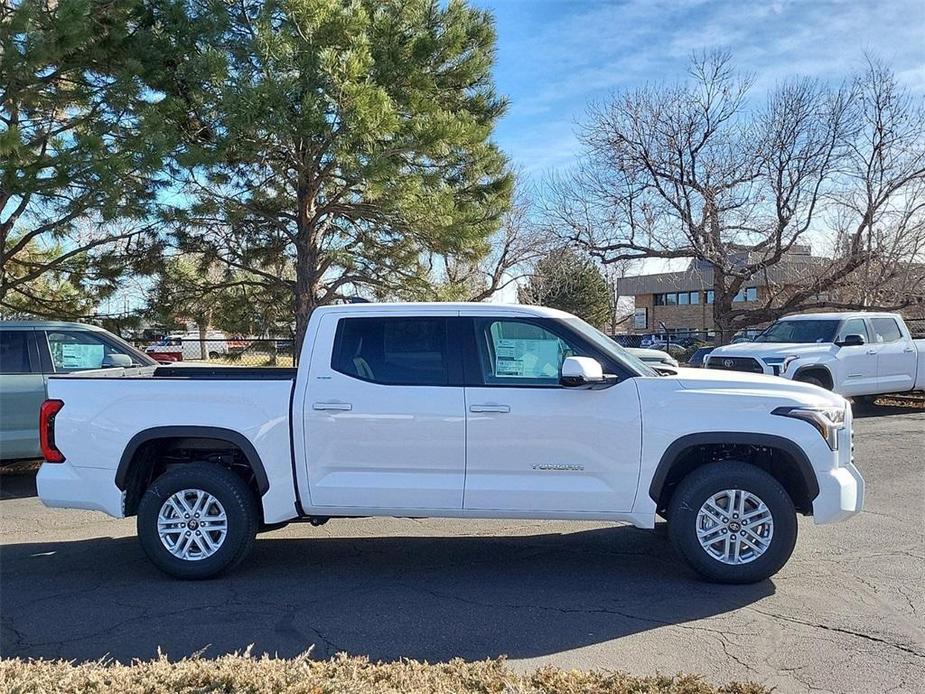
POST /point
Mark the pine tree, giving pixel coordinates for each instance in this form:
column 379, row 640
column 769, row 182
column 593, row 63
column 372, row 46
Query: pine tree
column 351, row 138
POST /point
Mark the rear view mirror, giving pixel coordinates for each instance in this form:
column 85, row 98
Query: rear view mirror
column 851, row 341
column 581, row 371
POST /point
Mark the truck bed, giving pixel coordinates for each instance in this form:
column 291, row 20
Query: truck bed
column 110, row 407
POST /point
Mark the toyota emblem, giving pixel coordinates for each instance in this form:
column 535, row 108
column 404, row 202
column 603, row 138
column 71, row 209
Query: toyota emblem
column 728, row 363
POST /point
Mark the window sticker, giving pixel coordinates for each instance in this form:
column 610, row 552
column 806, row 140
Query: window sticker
column 527, row 358
column 78, row 356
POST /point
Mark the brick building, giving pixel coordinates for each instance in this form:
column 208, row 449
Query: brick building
column 683, row 301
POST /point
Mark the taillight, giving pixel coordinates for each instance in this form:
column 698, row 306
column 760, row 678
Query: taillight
column 47, row 413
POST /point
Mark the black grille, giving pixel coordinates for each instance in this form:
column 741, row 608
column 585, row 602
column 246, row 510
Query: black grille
column 735, row 364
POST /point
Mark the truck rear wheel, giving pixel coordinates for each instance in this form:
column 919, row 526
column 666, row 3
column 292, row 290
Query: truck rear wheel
column 197, row 521
column 732, row 522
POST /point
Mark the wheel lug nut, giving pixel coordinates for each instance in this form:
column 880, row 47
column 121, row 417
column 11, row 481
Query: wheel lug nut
column 733, row 537
column 186, row 515
column 735, row 515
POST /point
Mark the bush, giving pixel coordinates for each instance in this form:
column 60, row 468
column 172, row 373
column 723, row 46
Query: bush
column 242, row 673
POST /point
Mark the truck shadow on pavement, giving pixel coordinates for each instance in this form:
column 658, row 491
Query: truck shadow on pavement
column 15, row 484
column 415, row 596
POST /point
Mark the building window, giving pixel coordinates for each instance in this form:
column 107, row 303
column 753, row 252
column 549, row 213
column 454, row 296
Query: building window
column 746, row 294
column 709, row 296
column 677, row 298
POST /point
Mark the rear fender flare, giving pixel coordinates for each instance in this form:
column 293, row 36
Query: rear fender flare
column 203, row 432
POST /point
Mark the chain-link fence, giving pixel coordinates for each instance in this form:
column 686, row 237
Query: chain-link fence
column 219, row 351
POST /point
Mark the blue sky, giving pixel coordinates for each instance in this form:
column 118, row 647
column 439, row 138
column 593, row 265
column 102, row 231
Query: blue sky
column 554, row 56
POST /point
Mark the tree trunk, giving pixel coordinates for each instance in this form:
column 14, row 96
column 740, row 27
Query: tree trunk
column 722, row 305
column 305, row 294
column 308, row 273
column 203, row 327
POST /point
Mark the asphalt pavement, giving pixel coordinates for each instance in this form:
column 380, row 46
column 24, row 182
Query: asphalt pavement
column 847, row 614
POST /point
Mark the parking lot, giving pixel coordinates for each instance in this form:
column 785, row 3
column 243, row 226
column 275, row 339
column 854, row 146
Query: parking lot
column 846, row 614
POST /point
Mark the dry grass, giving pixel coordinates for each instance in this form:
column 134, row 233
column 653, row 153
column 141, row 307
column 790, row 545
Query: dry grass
column 242, row 673
column 913, row 401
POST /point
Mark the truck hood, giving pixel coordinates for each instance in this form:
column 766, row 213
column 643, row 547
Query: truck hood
column 741, row 383
column 774, row 349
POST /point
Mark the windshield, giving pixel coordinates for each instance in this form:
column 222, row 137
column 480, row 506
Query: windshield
column 610, row 347
column 805, row 331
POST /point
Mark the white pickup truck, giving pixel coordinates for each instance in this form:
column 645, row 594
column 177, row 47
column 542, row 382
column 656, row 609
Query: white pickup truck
column 451, row 410
column 853, row 354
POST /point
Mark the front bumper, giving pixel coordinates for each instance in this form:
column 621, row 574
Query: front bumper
column 62, row 485
column 841, row 488
column 841, row 495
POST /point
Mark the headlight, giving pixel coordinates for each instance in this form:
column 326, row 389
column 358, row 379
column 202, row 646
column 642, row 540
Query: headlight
column 787, row 361
column 772, row 360
column 828, row 421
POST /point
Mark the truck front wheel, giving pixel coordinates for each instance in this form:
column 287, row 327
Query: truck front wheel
column 197, row 521
column 732, row 522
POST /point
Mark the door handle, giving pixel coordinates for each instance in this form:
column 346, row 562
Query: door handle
column 489, row 408
column 342, row 406
column 871, row 351
column 908, row 349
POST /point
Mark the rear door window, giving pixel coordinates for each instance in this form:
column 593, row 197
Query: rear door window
column 393, row 351
column 886, row 329
column 14, row 352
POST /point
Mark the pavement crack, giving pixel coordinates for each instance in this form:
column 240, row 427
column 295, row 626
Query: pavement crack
column 841, row 630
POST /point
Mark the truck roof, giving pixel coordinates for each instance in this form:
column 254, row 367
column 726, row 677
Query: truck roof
column 47, row 325
column 449, row 308
column 840, row 315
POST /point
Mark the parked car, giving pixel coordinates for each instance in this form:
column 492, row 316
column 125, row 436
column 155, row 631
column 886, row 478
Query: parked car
column 853, row 354
column 31, row 351
column 451, row 410
column 745, row 336
column 666, row 346
column 697, row 358
column 653, row 357
column 191, row 346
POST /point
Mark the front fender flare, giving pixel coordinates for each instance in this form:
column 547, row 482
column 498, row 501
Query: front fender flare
column 675, row 450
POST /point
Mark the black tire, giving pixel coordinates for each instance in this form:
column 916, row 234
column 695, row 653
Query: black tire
column 813, row 380
column 231, row 491
column 701, row 484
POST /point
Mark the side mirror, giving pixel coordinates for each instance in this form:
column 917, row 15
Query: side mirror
column 581, row 371
column 851, row 341
column 664, row 369
column 117, row 360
